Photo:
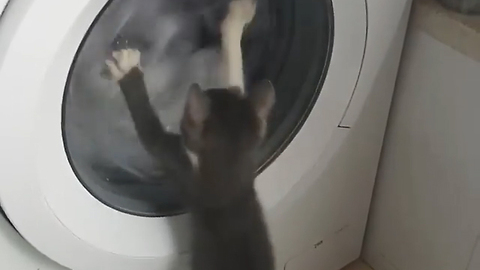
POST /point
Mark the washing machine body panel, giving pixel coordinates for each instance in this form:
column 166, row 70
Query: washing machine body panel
column 385, row 21
column 316, row 208
column 327, row 231
column 3, row 5
column 18, row 254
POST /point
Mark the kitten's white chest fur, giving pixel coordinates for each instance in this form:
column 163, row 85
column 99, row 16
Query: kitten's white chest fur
column 193, row 157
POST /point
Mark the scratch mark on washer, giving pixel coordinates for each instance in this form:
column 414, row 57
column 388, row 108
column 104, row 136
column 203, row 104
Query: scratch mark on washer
column 318, row 244
column 342, row 229
column 315, row 246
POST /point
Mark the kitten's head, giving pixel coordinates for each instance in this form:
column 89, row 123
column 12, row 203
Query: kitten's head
column 224, row 124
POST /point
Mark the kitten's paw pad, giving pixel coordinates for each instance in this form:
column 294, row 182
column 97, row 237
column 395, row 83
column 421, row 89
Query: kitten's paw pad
column 124, row 61
column 243, row 11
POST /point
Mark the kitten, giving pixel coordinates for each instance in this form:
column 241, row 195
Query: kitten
column 224, row 128
column 221, row 129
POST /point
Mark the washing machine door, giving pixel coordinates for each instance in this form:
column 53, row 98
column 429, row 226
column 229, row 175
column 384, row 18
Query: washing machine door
column 75, row 181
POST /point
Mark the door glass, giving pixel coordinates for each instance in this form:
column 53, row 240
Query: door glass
column 289, row 42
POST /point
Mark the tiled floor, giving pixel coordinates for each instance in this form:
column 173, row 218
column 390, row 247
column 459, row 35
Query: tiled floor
column 357, row 266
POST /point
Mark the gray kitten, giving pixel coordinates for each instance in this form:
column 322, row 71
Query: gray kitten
column 221, row 130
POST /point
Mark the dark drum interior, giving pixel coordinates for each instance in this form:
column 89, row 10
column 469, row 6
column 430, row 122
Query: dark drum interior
column 288, row 42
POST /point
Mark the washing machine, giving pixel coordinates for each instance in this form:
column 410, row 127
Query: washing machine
column 78, row 191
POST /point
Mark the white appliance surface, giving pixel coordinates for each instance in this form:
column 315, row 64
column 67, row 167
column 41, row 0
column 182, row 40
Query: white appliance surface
column 3, row 5
column 425, row 212
column 316, row 194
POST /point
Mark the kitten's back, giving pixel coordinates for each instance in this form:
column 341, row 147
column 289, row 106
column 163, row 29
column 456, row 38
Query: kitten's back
column 223, row 128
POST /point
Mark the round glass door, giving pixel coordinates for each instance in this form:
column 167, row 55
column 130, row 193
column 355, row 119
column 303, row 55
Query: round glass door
column 288, row 42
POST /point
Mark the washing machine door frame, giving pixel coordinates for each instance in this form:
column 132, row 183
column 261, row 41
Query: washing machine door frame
column 38, row 188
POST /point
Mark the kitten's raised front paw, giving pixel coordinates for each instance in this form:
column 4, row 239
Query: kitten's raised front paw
column 242, row 11
column 124, row 61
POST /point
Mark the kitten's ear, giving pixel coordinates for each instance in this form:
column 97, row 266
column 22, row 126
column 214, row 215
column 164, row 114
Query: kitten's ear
column 262, row 98
column 197, row 105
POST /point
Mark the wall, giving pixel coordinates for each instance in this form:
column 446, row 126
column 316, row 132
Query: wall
column 425, row 213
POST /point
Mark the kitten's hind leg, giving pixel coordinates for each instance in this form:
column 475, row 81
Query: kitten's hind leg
column 240, row 14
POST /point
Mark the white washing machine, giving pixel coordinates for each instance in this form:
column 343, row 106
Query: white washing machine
column 76, row 189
